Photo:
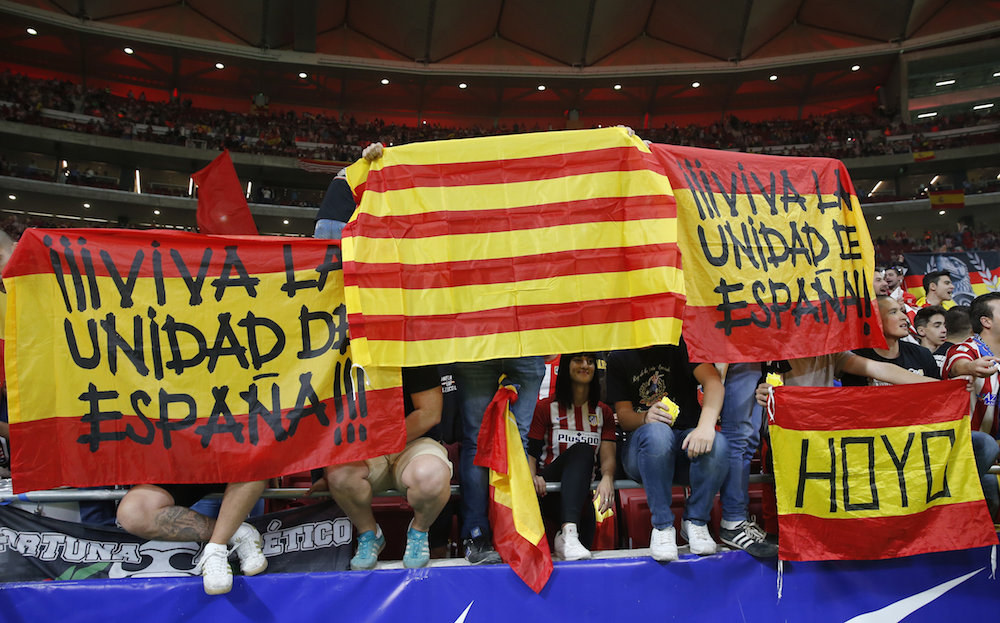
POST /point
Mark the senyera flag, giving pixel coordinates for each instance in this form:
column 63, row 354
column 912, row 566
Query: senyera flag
column 778, row 261
column 876, row 472
column 518, row 531
column 530, row 244
column 162, row 356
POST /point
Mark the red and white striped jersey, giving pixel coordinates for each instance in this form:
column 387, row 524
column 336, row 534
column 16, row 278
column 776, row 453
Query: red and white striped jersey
column 984, row 400
column 559, row 428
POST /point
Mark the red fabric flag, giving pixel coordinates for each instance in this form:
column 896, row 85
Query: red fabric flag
column 222, row 208
column 887, row 472
column 518, row 531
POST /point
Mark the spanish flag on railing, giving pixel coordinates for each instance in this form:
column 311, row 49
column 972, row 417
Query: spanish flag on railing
column 518, row 531
column 510, row 246
column 946, row 199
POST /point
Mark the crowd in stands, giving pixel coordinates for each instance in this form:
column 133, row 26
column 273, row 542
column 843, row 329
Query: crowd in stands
column 319, row 136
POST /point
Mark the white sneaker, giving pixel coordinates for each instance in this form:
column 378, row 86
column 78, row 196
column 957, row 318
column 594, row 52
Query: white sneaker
column 699, row 539
column 248, row 545
column 569, row 546
column 559, row 544
column 663, row 545
column 214, row 569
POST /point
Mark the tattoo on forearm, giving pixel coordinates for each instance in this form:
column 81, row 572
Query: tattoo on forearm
column 177, row 523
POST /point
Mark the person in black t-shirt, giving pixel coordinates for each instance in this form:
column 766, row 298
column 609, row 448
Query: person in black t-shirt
column 895, row 326
column 421, row 470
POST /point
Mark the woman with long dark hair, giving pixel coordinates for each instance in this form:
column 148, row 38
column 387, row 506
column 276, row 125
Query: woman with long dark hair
column 567, row 434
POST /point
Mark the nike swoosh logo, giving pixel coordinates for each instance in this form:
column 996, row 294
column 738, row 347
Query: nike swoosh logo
column 899, row 610
column 461, row 618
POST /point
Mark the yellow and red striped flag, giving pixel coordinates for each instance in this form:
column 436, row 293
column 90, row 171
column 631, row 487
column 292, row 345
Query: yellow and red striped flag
column 947, row 199
column 888, row 472
column 518, row 531
column 509, row 246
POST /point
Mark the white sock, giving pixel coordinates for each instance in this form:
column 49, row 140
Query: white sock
column 726, row 524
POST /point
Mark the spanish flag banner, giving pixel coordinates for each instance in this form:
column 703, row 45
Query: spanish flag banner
column 161, row 356
column 866, row 473
column 778, row 260
column 946, row 199
column 518, row 531
column 509, row 246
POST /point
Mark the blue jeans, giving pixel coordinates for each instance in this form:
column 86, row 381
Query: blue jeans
column 652, row 455
column 986, row 450
column 741, row 425
column 478, row 382
column 329, row 229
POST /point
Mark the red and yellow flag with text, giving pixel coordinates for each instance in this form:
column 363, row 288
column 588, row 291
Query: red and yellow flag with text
column 865, row 473
column 518, row 531
column 778, row 260
column 508, row 246
column 162, row 356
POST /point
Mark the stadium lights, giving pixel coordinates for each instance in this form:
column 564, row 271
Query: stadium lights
column 385, row 81
column 190, row 186
column 156, row 212
column 878, row 218
column 944, row 83
column 541, row 87
column 128, row 50
column 86, row 206
column 617, row 87
column 926, row 115
column 855, row 67
column 249, row 187
column 12, row 197
column 773, row 77
column 138, row 183
column 285, row 221
column 877, row 186
column 303, row 75
column 462, row 85
column 220, row 66
column 982, row 106
column 31, row 31
column 695, row 85
column 935, row 179
column 941, row 213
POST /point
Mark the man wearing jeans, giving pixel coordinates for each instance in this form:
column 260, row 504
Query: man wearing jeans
column 478, row 382
column 741, row 422
column 660, row 444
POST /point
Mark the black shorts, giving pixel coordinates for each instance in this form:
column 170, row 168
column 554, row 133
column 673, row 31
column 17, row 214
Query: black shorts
column 187, row 495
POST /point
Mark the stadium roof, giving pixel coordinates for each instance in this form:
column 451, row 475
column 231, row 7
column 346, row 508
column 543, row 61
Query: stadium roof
column 503, row 50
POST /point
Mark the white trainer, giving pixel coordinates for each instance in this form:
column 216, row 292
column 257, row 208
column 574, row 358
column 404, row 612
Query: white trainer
column 216, row 574
column 248, row 545
column 569, row 546
column 699, row 539
column 663, row 544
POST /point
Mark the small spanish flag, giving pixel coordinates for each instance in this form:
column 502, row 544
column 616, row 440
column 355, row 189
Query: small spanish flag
column 920, row 156
column 518, row 531
column 947, row 199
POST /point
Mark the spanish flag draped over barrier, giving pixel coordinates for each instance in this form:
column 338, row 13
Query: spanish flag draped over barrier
column 518, row 531
column 865, row 473
column 529, row 244
column 778, row 260
column 162, row 356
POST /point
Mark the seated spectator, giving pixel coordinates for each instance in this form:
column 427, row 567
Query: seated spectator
column 879, row 284
column 976, row 357
column 895, row 327
column 930, row 328
column 421, row 470
column 161, row 512
column 661, row 445
column 567, row 433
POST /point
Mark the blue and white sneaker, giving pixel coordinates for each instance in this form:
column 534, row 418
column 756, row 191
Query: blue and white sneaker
column 418, row 550
column 370, row 545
